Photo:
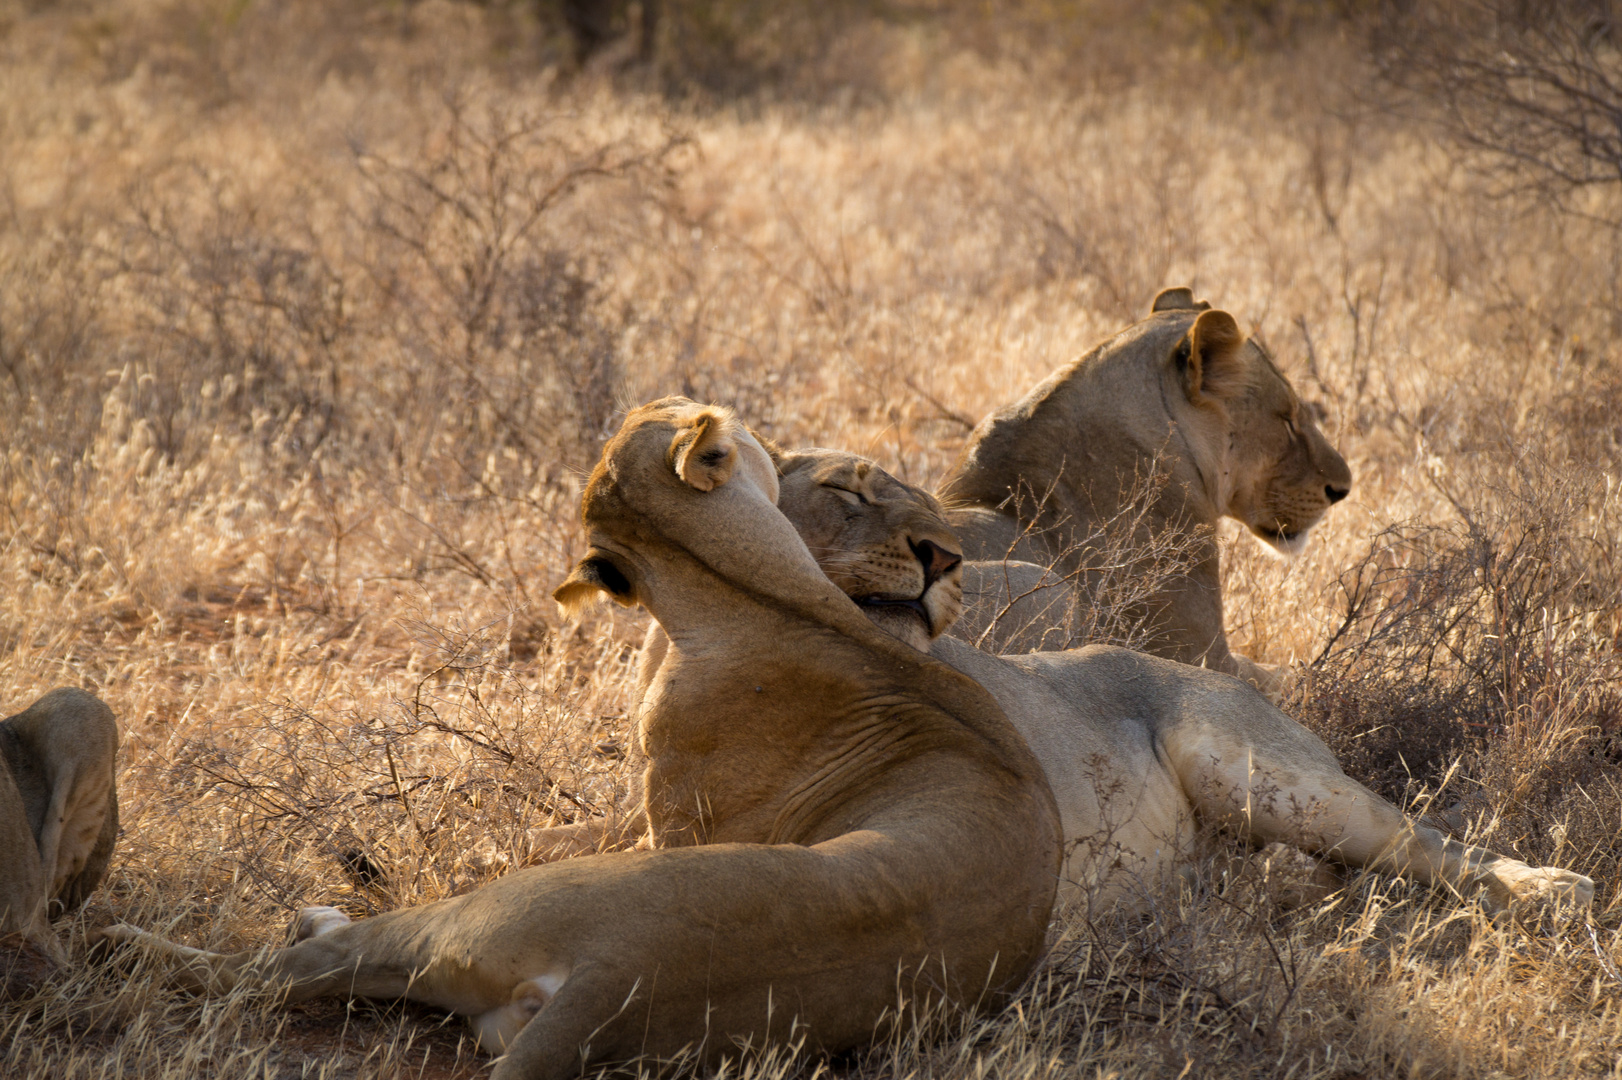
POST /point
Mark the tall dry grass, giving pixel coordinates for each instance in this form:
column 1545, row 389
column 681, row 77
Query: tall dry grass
column 311, row 321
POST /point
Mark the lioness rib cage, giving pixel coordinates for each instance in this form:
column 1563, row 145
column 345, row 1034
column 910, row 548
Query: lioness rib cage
column 820, row 845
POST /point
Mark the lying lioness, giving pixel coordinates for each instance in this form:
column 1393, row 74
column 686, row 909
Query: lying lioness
column 1137, row 748
column 834, row 812
column 58, row 809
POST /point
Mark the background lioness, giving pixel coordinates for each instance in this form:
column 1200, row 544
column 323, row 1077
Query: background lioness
column 829, row 805
column 58, row 809
column 1182, row 393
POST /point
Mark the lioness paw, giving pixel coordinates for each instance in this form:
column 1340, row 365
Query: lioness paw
column 314, row 921
column 1549, row 887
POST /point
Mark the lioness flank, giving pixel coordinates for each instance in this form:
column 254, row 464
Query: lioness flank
column 837, row 816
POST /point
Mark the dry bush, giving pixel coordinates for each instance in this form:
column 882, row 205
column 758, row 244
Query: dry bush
column 1475, row 665
column 1532, row 89
column 311, row 317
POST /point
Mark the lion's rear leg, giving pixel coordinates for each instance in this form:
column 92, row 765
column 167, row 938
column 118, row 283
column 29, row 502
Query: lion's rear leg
column 1247, row 766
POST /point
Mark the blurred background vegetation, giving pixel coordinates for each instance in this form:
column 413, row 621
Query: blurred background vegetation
column 314, row 315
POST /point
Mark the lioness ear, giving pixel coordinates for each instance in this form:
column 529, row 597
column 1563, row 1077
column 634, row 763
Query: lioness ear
column 1212, row 357
column 1178, row 298
column 594, row 574
column 703, row 452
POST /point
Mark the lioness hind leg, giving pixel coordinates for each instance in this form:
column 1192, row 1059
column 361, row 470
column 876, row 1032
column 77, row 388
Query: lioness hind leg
column 498, row 1028
column 1245, row 765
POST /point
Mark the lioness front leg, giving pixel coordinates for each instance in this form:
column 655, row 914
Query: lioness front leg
column 1246, row 765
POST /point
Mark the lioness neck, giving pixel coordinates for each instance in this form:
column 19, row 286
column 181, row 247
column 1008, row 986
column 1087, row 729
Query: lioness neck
column 795, row 722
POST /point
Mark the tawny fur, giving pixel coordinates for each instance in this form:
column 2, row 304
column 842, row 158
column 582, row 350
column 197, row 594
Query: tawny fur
column 1140, row 750
column 58, row 810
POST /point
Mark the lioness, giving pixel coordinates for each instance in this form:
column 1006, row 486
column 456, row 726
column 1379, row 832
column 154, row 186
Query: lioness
column 58, row 810
column 1136, row 748
column 1184, row 392
column 827, row 803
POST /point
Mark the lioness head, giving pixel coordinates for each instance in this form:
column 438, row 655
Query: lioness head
column 1279, row 473
column 884, row 543
column 643, row 520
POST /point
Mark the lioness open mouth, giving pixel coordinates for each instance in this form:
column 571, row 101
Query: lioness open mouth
column 915, row 606
column 1281, row 536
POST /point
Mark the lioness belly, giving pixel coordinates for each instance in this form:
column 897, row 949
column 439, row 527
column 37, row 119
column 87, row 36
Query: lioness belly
column 1127, row 824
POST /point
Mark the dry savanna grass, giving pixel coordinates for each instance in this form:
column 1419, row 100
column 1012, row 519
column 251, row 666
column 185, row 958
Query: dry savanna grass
column 312, row 320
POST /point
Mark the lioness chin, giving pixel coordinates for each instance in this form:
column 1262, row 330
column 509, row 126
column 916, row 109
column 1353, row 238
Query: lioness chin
column 827, row 806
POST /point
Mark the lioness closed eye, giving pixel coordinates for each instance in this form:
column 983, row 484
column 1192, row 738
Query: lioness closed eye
column 828, row 805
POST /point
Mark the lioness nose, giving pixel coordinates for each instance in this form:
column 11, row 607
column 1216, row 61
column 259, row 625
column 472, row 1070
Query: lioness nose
column 1335, row 494
column 935, row 559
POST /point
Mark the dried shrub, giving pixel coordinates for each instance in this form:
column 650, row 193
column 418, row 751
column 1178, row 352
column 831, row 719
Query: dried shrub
column 1490, row 642
column 1118, row 571
column 1531, row 89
